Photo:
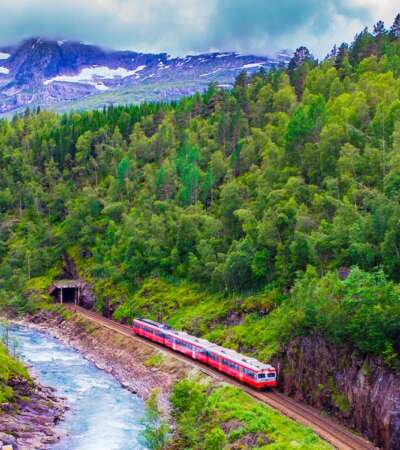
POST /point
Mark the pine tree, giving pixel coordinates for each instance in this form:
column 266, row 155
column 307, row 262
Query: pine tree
column 395, row 29
column 333, row 53
column 342, row 52
column 379, row 28
column 362, row 47
column 301, row 55
column 298, row 68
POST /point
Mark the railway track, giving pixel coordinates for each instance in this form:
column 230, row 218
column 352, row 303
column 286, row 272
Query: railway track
column 327, row 428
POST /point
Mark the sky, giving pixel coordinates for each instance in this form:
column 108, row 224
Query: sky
column 193, row 26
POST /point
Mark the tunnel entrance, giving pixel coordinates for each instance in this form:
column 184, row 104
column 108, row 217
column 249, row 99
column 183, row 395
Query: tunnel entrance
column 67, row 291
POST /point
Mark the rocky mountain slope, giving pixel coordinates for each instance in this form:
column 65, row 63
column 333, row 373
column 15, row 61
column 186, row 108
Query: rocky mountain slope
column 52, row 74
column 360, row 391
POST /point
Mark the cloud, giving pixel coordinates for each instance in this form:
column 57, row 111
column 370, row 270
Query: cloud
column 260, row 24
column 184, row 26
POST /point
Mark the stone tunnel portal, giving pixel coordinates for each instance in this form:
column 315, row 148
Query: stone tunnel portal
column 67, row 291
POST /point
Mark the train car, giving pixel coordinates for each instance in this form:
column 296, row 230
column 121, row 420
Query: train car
column 244, row 368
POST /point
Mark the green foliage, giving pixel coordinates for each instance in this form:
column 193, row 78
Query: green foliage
column 156, row 430
column 341, row 402
column 363, row 310
column 231, row 192
column 155, row 360
column 10, row 369
column 219, row 416
column 215, row 439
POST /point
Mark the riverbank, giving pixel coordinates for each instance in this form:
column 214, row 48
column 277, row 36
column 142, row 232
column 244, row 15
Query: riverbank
column 137, row 367
column 216, row 409
column 141, row 368
column 27, row 421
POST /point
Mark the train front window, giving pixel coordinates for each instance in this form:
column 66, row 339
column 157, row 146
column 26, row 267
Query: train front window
column 261, row 376
column 271, row 375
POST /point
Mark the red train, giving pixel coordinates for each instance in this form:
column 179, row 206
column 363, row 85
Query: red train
column 245, row 369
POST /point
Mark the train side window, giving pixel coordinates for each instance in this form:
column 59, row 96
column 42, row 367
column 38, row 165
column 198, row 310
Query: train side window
column 232, row 365
column 249, row 373
column 184, row 344
column 213, row 356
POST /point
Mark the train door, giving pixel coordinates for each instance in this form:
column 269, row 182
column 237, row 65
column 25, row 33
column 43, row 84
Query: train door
column 211, row 358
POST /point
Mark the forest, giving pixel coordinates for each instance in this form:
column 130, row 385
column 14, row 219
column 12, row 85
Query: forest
column 249, row 215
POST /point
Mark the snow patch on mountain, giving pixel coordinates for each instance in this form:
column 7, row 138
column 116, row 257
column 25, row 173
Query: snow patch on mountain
column 89, row 75
column 4, row 70
column 4, row 55
column 252, row 65
column 101, row 87
column 223, row 55
column 211, row 73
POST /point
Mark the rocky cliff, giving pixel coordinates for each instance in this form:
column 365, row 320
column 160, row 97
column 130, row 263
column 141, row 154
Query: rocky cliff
column 360, row 392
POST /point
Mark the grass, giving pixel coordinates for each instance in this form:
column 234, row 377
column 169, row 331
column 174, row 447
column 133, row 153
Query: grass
column 219, row 416
column 10, row 368
column 155, row 360
column 251, row 324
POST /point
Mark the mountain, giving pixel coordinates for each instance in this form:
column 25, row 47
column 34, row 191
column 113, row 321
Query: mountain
column 266, row 219
column 66, row 74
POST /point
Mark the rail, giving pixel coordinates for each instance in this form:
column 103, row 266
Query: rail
column 326, row 427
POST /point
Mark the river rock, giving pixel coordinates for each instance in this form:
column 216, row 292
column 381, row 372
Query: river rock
column 29, row 424
column 7, row 439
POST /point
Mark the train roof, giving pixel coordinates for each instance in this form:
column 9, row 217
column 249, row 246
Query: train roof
column 154, row 323
column 234, row 356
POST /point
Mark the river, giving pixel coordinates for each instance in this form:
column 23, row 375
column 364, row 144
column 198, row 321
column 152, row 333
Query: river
column 102, row 415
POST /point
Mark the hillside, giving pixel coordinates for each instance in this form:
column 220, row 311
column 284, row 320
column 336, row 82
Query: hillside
column 254, row 217
column 12, row 372
column 66, row 75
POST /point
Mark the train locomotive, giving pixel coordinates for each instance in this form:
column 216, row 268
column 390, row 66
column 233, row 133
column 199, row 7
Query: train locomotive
column 245, row 369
